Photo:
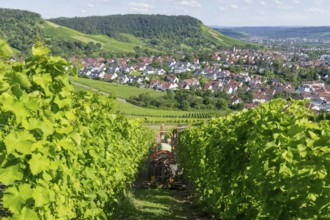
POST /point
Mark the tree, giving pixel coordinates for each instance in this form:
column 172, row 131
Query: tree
column 221, row 104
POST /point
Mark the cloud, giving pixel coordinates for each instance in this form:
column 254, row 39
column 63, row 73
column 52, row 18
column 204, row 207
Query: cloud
column 278, row 2
column 140, row 7
column 248, row 1
column 83, row 11
column 262, row 12
column 314, row 10
column 231, row 6
column 319, row 1
column 90, row 5
column 280, row 5
column 188, row 3
column 263, row 2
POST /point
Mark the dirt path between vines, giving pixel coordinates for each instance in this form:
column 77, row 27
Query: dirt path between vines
column 156, row 203
column 160, row 204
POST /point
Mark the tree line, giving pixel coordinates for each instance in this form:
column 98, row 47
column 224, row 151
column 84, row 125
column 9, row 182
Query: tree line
column 159, row 31
column 192, row 99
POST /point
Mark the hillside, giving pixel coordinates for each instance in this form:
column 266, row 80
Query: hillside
column 158, row 31
column 109, row 35
column 61, row 33
column 21, row 29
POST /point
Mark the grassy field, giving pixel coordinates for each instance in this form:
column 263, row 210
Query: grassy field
column 64, row 33
column 118, row 90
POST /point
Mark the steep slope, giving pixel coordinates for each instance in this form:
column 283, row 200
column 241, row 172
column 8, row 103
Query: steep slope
column 158, row 31
column 54, row 31
column 221, row 39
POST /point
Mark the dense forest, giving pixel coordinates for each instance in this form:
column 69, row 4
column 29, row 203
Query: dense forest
column 144, row 26
column 159, row 31
column 19, row 28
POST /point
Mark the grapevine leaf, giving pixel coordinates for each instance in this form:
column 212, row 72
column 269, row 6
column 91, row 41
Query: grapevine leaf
column 313, row 135
column 13, row 200
column 21, row 79
column 287, row 155
column 25, row 191
column 10, row 174
column 20, row 141
column 38, row 163
column 39, row 50
column 25, row 214
column 4, row 86
column 5, row 49
column 44, row 125
column 44, row 81
column 40, row 196
column 75, row 137
column 9, row 104
column 62, row 102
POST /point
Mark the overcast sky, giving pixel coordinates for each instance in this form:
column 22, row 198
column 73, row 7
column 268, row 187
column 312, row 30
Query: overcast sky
column 211, row 12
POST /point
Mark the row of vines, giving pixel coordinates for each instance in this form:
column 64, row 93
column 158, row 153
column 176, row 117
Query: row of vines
column 63, row 155
column 271, row 162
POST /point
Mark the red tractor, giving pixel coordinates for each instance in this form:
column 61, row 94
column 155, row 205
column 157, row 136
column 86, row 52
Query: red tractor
column 163, row 166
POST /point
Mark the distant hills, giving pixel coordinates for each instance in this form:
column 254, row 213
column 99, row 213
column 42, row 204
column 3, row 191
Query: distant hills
column 160, row 32
column 104, row 35
column 277, row 32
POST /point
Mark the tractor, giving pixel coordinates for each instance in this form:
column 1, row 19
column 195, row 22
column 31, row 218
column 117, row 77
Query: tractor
column 163, row 167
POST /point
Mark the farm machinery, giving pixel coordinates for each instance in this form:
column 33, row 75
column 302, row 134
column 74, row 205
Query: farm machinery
column 163, row 168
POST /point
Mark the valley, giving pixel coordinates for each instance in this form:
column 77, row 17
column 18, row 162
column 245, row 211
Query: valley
column 154, row 114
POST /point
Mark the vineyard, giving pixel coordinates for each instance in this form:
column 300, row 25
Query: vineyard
column 156, row 116
column 271, row 162
column 150, row 116
column 69, row 154
column 63, row 155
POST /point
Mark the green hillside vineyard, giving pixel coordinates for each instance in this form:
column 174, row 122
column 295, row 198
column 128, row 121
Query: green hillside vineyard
column 63, row 155
column 270, row 162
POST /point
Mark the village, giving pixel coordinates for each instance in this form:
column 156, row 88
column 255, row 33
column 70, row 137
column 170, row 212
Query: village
column 268, row 74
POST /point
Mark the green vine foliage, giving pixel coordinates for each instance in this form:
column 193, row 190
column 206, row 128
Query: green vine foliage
column 63, row 155
column 271, row 162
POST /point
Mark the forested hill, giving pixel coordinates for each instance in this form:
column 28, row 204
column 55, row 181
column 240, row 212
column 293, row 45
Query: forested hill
column 19, row 28
column 144, row 26
column 159, row 31
column 115, row 35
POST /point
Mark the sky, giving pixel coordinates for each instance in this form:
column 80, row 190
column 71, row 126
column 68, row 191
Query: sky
column 210, row 12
